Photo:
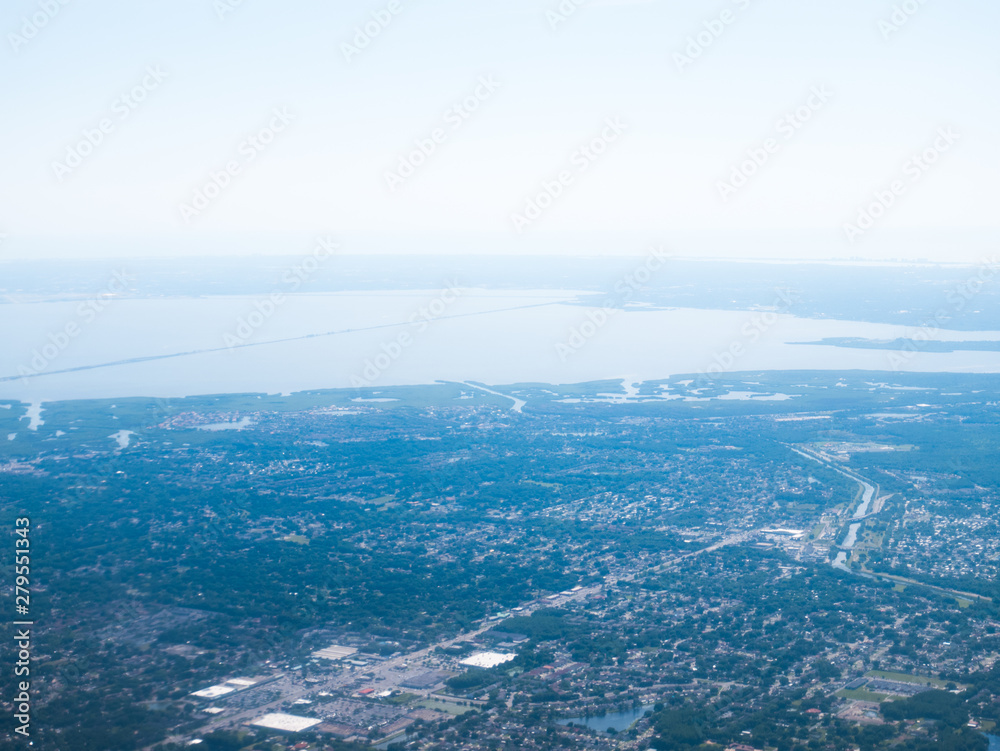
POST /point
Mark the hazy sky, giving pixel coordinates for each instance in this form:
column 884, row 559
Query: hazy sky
column 673, row 113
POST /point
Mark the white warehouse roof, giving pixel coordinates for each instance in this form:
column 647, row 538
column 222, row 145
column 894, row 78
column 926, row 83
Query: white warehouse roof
column 335, row 652
column 289, row 722
column 488, row 659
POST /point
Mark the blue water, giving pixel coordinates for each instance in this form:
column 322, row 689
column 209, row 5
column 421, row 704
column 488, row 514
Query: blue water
column 326, row 341
column 405, row 737
column 994, row 742
column 617, row 720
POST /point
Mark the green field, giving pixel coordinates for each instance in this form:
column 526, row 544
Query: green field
column 400, row 699
column 382, row 500
column 542, row 484
column 444, row 706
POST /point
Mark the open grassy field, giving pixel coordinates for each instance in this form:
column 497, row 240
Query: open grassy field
column 444, row 706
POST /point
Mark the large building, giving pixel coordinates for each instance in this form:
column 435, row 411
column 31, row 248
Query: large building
column 287, row 722
column 487, row 659
column 334, row 652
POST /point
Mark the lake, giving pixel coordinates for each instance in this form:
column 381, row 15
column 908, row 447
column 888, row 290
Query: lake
column 617, row 720
column 202, row 345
